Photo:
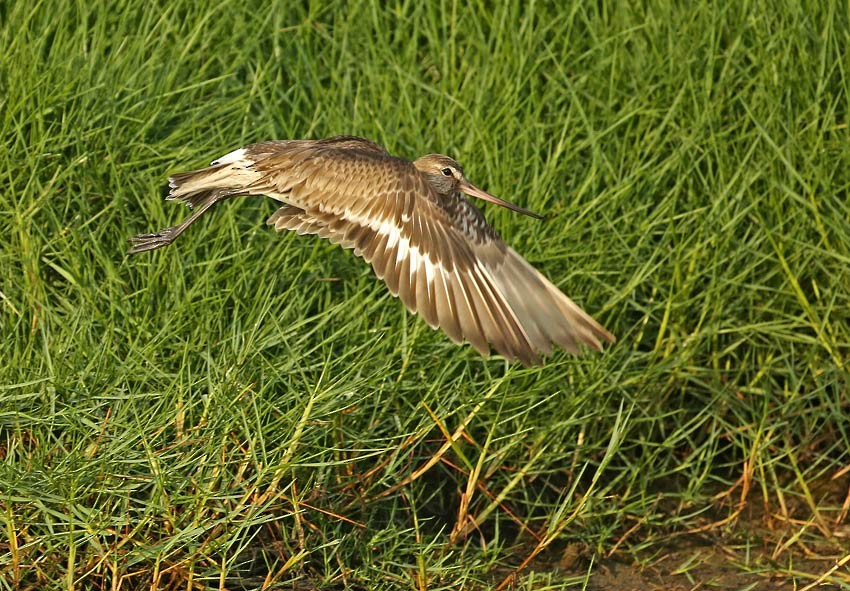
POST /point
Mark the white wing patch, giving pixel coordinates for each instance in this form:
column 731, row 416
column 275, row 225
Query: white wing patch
column 385, row 228
column 418, row 259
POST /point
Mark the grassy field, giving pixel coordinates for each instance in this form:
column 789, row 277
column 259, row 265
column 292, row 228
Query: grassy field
column 253, row 410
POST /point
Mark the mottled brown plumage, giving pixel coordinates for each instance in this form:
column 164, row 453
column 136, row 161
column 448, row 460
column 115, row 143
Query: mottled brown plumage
column 430, row 245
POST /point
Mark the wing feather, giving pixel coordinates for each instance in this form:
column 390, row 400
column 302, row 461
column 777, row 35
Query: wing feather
column 425, row 295
column 467, row 317
column 407, row 295
column 445, row 307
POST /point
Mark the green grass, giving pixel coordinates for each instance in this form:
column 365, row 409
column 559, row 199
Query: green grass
column 247, row 409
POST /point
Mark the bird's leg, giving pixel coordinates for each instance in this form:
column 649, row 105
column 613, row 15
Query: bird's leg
column 146, row 242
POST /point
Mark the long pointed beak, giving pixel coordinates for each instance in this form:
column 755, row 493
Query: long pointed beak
column 472, row 190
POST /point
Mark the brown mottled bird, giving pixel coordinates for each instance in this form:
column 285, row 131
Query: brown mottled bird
column 431, row 246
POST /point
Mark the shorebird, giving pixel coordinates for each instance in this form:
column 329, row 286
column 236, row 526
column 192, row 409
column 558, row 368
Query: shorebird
column 431, row 246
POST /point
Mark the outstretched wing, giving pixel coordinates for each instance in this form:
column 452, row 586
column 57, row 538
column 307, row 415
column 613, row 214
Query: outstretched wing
column 438, row 255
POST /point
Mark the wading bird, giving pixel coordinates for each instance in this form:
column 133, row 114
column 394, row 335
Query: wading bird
column 410, row 220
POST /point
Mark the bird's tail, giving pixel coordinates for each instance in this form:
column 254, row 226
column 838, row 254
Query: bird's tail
column 196, row 186
column 200, row 189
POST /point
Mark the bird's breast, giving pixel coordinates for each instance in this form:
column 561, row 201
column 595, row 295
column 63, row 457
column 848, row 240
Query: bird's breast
column 467, row 218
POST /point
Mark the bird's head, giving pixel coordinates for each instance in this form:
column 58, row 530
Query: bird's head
column 446, row 177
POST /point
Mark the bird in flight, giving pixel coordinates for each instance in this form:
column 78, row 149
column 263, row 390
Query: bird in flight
column 411, row 221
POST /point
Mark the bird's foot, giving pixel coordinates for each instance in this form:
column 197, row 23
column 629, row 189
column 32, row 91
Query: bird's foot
column 146, row 242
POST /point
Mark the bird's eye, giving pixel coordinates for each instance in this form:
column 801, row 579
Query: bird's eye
column 447, row 171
